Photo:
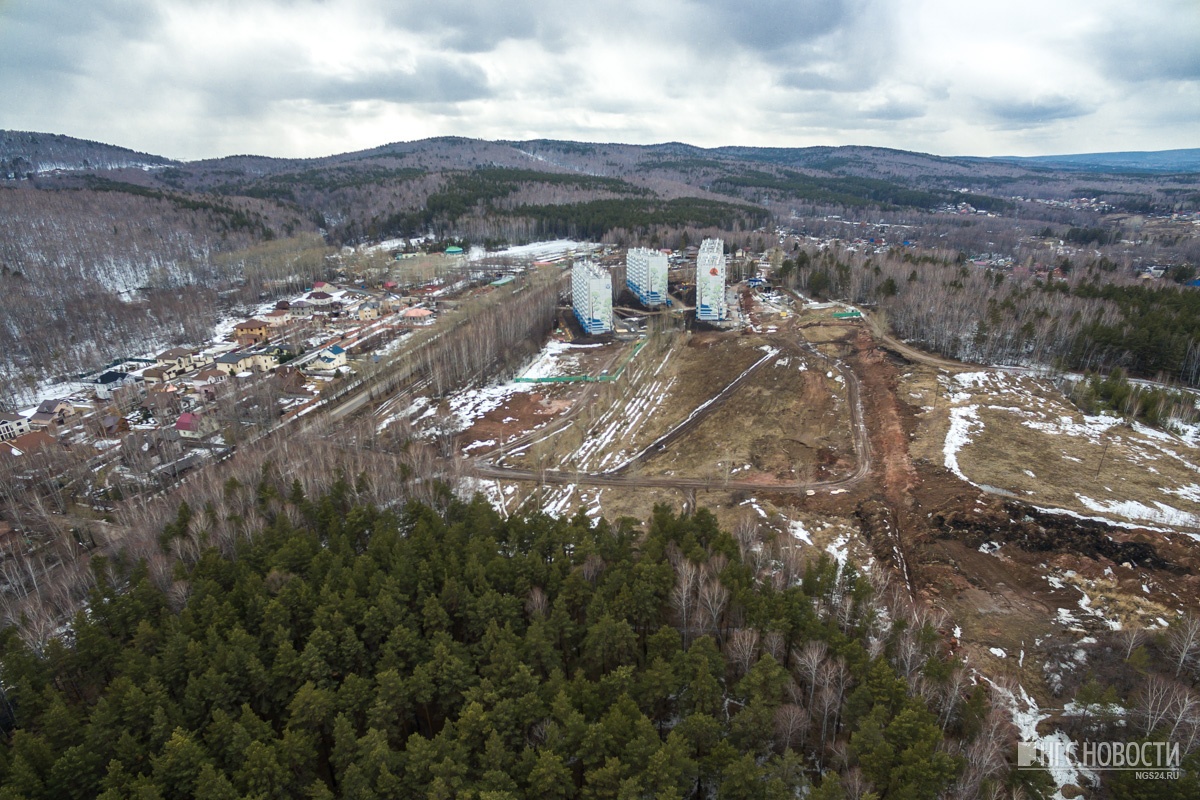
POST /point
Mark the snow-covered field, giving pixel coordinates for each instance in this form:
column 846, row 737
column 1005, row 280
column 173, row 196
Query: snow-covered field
column 537, row 251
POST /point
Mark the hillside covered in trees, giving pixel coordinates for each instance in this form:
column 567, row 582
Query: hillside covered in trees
column 346, row 651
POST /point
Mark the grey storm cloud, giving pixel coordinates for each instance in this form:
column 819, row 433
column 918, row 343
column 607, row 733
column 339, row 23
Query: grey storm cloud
column 1163, row 46
column 470, row 26
column 775, row 24
column 434, row 79
column 49, row 37
column 1023, row 112
column 250, row 85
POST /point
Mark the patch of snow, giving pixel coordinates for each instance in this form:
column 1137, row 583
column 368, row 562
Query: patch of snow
column 1133, row 510
column 1025, row 716
column 798, row 530
column 839, row 549
column 964, row 421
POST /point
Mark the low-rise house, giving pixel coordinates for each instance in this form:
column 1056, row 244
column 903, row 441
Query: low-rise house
column 162, row 405
column 175, row 362
column 28, row 443
column 195, row 426
column 51, row 412
column 368, row 311
column 112, row 380
column 112, row 425
column 277, row 319
column 290, row 380
column 300, row 310
column 329, row 359
column 12, row 426
column 207, row 383
column 251, row 332
column 417, row 316
column 320, row 299
column 154, row 375
column 246, row 361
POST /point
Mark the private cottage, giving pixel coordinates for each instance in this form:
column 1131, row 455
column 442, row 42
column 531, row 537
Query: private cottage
column 251, row 332
column 417, row 316
column 175, row 362
column 51, row 412
column 246, row 361
column 278, row 318
column 112, row 380
column 28, row 443
column 207, row 383
column 195, row 426
column 321, row 300
column 12, row 426
column 329, row 359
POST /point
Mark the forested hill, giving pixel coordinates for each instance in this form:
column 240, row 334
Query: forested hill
column 594, row 188
column 23, row 152
column 354, row 653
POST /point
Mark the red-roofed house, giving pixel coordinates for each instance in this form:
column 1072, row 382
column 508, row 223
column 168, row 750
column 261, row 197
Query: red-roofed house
column 194, row 426
column 418, row 316
column 32, row 442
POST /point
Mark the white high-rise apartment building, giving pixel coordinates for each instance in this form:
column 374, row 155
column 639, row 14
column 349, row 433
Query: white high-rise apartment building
column 646, row 275
column 710, row 281
column 591, row 296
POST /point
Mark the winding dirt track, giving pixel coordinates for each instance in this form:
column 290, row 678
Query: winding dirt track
column 619, row 476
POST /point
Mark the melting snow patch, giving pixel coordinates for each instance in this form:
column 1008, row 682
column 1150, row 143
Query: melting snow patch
column 964, row 421
column 838, row 548
column 1133, row 510
column 798, row 530
column 1091, row 428
column 989, row 547
column 1026, row 716
column 1190, row 492
column 997, row 652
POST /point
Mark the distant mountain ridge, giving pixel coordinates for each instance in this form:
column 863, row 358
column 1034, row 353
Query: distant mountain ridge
column 42, row 152
column 22, row 152
column 1184, row 160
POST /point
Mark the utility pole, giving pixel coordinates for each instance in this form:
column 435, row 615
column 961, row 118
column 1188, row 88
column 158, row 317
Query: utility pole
column 1102, row 454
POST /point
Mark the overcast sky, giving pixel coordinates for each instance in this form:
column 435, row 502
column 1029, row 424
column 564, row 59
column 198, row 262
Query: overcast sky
column 198, row 78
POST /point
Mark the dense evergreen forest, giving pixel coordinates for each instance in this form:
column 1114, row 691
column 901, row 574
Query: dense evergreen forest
column 350, row 652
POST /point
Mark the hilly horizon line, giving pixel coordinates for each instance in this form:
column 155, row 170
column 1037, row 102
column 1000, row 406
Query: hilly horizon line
column 1116, row 158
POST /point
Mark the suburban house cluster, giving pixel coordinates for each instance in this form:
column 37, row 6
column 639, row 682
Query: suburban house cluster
column 298, row 345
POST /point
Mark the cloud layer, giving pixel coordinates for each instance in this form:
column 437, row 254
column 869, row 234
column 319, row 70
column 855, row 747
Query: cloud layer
column 199, row 78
